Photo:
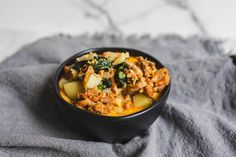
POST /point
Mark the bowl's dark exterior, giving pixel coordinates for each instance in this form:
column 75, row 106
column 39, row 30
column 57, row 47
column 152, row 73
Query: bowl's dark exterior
column 104, row 128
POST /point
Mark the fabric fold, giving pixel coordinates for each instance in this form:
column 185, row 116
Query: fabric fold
column 198, row 120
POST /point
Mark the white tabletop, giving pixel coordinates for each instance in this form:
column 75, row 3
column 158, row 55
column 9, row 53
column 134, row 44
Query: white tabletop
column 25, row 21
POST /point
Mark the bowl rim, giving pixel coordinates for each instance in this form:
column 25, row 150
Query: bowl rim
column 103, row 49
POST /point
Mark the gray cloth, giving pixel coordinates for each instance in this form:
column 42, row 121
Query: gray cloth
column 198, row 120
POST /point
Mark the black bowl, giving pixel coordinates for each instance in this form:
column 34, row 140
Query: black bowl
column 104, row 128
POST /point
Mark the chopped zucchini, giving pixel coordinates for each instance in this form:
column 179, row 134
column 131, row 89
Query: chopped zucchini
column 105, row 83
column 72, row 89
column 141, row 100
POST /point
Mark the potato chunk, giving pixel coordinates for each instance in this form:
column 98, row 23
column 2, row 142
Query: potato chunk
column 72, row 89
column 62, row 82
column 93, row 81
column 141, row 100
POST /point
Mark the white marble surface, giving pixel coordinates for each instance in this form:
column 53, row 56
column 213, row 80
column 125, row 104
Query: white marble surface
column 25, row 21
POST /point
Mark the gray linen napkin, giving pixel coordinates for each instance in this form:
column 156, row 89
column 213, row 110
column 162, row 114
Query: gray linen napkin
column 198, row 120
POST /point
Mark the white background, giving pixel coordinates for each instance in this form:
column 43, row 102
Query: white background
column 24, row 21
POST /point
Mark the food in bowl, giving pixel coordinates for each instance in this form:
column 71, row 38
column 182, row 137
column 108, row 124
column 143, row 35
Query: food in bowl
column 112, row 83
column 107, row 127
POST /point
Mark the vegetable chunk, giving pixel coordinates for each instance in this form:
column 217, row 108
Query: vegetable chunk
column 92, row 81
column 112, row 83
column 62, row 82
column 141, row 100
column 121, row 58
column 72, row 89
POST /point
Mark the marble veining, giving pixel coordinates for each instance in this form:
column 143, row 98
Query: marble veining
column 25, row 21
column 183, row 4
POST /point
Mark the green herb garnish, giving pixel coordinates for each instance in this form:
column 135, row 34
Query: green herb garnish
column 106, row 83
column 100, row 63
column 121, row 75
column 79, row 65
